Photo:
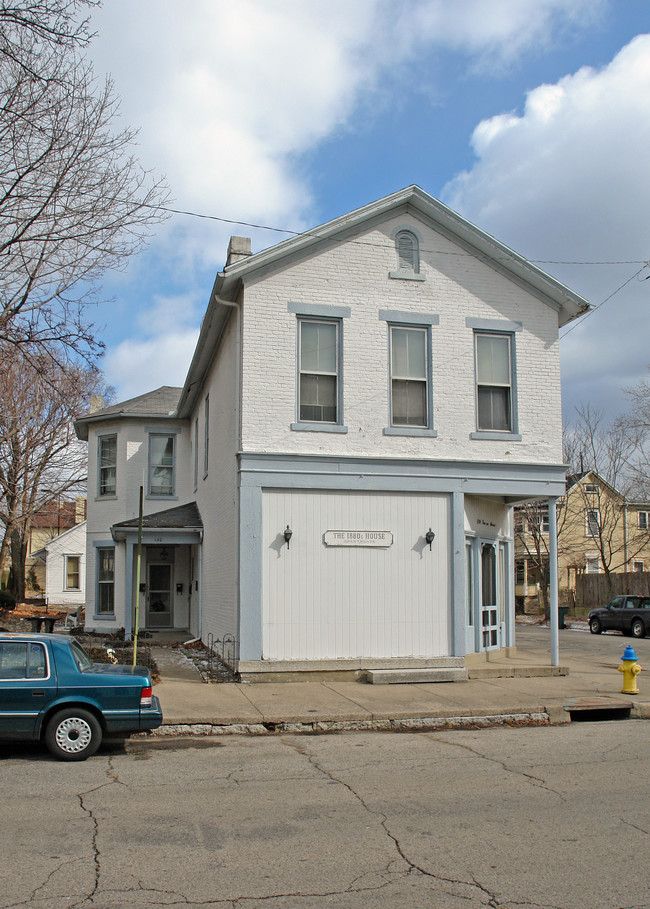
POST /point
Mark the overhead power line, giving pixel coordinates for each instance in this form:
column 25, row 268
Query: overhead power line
column 441, row 252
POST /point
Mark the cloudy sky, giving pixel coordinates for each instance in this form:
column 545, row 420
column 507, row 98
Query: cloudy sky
column 529, row 117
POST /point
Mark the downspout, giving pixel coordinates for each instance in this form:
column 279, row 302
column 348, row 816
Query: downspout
column 553, row 583
column 625, row 533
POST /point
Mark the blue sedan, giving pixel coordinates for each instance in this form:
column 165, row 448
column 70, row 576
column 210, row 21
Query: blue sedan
column 51, row 691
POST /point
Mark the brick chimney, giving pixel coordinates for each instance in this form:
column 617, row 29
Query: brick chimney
column 80, row 509
column 239, row 248
column 96, row 403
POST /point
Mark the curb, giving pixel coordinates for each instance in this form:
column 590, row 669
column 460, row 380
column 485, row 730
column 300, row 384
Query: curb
column 433, row 723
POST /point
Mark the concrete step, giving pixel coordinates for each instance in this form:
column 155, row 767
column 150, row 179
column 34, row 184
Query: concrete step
column 403, row 676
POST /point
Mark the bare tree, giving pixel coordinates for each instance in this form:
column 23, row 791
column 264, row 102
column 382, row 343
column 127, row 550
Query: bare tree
column 599, row 489
column 40, row 457
column 532, row 539
column 74, row 201
column 636, row 423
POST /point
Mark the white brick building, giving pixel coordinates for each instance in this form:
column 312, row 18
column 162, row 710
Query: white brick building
column 390, row 373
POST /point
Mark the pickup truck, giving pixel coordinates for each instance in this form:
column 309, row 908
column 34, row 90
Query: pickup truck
column 629, row 613
column 51, row 691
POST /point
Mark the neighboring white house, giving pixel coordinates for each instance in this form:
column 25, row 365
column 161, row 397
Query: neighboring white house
column 65, row 567
column 334, row 483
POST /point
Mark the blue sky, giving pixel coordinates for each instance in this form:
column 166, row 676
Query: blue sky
column 529, row 117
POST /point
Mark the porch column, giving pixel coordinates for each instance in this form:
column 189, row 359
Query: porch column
column 552, row 570
column 128, row 591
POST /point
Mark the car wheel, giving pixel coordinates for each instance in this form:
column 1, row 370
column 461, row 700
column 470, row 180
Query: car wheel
column 73, row 734
column 638, row 629
column 594, row 626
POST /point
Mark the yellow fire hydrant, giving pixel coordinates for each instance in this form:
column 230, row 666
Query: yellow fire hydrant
column 630, row 669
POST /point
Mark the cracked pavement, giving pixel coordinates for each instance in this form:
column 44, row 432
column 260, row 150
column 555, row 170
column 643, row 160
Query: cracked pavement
column 538, row 818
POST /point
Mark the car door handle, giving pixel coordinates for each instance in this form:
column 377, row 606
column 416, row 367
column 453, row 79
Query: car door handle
column 38, row 694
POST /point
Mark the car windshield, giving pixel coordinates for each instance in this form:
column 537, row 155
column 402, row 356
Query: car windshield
column 81, row 658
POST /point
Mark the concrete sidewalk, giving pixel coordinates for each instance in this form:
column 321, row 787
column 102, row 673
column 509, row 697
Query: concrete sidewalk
column 524, row 690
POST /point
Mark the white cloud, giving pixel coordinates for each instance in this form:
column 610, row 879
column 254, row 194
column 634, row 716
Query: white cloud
column 139, row 366
column 162, row 356
column 568, row 180
column 228, row 94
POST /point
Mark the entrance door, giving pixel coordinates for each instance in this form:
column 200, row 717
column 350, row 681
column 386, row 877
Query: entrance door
column 489, row 601
column 159, row 598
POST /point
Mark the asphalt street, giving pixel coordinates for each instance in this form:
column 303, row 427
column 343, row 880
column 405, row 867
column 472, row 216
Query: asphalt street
column 530, row 817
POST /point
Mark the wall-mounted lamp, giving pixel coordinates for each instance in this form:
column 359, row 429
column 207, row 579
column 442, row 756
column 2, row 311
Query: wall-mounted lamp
column 142, row 588
column 430, row 537
column 179, row 588
column 288, row 533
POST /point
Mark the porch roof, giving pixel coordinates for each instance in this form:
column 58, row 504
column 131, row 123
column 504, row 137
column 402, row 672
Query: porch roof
column 179, row 519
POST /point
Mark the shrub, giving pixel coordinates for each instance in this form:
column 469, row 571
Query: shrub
column 7, row 600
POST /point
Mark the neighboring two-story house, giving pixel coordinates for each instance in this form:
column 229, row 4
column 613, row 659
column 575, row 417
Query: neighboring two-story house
column 599, row 531
column 334, row 483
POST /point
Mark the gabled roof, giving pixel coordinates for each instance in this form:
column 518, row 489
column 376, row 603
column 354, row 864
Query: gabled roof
column 568, row 304
column 155, row 404
column 42, row 552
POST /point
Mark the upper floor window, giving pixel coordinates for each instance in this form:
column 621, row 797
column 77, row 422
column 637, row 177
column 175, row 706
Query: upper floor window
column 161, row 464
column 538, row 521
column 592, row 522
column 72, row 572
column 107, row 465
column 106, row 580
column 319, row 371
column 196, row 452
column 409, row 376
column 591, row 489
column 494, row 381
column 643, row 520
column 206, row 441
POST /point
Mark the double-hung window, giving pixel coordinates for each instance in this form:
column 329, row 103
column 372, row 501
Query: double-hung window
column 318, row 395
column 642, row 519
column 592, row 522
column 107, row 465
column 494, row 381
column 410, row 391
column 161, row 464
column 495, row 377
column 409, row 376
column 72, row 572
column 106, row 580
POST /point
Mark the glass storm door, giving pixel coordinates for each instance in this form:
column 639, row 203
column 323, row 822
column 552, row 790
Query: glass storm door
column 159, row 598
column 489, row 601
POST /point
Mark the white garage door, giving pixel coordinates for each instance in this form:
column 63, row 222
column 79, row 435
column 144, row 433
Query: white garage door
column 336, row 602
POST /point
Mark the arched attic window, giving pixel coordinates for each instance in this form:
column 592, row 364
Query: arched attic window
column 408, row 252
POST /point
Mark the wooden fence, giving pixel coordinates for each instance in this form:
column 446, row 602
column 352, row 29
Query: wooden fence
column 594, row 590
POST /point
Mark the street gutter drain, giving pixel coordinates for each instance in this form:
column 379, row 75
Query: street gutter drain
column 598, row 710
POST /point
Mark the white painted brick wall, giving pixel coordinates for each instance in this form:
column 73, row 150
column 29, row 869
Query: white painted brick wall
column 216, row 493
column 457, row 286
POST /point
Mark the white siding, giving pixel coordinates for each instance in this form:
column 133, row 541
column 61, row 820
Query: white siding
column 325, row 602
column 70, row 543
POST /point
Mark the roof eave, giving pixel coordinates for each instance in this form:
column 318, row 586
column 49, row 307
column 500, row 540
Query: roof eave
column 81, row 424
